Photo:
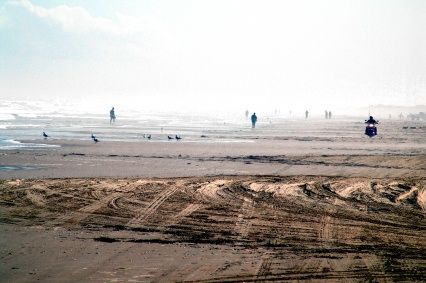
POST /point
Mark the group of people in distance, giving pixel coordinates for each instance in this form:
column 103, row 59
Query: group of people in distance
column 253, row 119
column 327, row 115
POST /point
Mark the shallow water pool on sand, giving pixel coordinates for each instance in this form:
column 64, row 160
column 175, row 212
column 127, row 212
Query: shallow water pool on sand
column 17, row 167
column 9, row 144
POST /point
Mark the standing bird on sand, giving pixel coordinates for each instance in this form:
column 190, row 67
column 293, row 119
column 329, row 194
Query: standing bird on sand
column 45, row 135
column 93, row 137
column 178, row 137
column 95, row 140
column 169, row 138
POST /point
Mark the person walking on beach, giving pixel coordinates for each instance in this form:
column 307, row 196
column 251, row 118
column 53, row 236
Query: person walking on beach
column 247, row 113
column 306, row 114
column 112, row 116
column 326, row 114
column 329, row 114
column 253, row 120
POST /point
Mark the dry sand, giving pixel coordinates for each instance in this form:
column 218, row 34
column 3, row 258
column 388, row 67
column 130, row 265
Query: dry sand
column 213, row 229
column 266, row 210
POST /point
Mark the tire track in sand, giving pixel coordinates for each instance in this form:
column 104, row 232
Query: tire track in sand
column 37, row 189
column 84, row 212
column 265, row 265
column 191, row 208
column 326, row 227
column 244, row 219
column 146, row 212
column 325, row 232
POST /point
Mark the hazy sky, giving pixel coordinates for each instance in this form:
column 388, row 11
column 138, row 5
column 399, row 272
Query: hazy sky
column 215, row 54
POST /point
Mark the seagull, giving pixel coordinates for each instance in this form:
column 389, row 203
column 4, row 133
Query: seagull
column 93, row 137
column 169, row 137
column 45, row 135
column 178, row 137
column 95, row 140
column 149, row 137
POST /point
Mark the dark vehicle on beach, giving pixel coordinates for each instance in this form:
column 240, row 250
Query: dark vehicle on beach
column 371, row 129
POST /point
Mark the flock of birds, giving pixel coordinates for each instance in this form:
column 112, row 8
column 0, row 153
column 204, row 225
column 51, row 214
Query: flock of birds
column 176, row 137
column 145, row 136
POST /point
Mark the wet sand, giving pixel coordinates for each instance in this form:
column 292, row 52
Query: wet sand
column 263, row 210
column 75, row 159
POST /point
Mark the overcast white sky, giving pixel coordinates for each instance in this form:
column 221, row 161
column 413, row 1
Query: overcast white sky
column 215, row 54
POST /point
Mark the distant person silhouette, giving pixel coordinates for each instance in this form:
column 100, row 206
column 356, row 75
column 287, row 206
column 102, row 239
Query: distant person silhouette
column 401, row 116
column 326, row 114
column 253, row 120
column 329, row 115
column 247, row 113
column 306, row 114
column 371, row 121
column 112, row 116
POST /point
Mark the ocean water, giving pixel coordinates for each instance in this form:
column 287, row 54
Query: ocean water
column 22, row 124
column 14, row 144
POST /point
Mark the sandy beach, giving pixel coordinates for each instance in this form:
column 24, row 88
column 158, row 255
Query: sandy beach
column 265, row 210
column 212, row 141
column 213, row 229
column 75, row 158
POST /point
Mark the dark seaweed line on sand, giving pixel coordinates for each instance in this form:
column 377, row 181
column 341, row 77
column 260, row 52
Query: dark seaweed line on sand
column 279, row 160
column 247, row 159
